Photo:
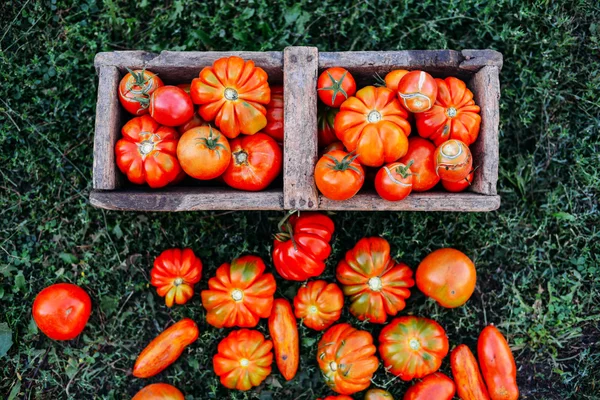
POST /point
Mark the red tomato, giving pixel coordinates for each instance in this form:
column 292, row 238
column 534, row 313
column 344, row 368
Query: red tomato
column 284, row 333
column 171, row 106
column 340, row 397
column 62, row 310
column 497, row 364
column 456, row 187
column 174, row 275
column 338, row 175
column 135, row 89
column 417, row 91
column 420, row 154
column 325, row 120
column 435, row 386
column 159, row 391
column 256, row 161
column 469, row 383
column 335, row 85
column 453, row 161
column 333, row 146
column 319, row 304
column 274, row 115
column 394, row 181
column 192, row 123
column 204, row 153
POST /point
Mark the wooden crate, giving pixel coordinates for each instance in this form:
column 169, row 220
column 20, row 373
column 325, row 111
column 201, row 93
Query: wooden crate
column 298, row 69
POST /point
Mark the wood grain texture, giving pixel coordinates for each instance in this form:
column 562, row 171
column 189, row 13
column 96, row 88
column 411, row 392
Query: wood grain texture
column 187, row 199
column 106, row 175
column 300, row 124
column 476, row 59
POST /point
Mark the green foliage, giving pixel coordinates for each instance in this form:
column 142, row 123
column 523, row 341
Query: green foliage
column 537, row 257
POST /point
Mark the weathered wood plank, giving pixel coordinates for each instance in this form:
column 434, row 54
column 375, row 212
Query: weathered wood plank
column 474, row 60
column 187, row 199
column 300, row 124
column 134, row 59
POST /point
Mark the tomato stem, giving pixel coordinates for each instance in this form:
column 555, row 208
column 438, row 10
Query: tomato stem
column 336, row 86
column 210, row 142
column 345, row 164
column 404, row 170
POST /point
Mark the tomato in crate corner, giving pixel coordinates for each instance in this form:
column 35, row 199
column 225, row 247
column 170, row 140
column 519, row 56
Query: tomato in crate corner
column 335, row 85
column 338, row 175
column 453, row 161
column 135, row 90
column 393, row 182
column 456, row 187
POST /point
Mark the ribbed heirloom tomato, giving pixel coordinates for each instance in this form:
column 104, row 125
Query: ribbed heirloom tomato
column 374, row 125
column 319, row 304
column 498, row 365
column 338, row 175
column 284, row 333
column 240, row 294
column 335, row 85
column 346, row 357
column 302, row 246
column 420, row 156
column 174, row 275
column 325, row 122
column 159, row 391
column 171, row 106
column 203, row 153
column 147, row 152
column 393, row 182
column 243, row 359
column 468, row 379
column 378, row 394
column 233, row 93
column 274, row 127
column 453, row 116
column 417, row 91
column 412, row 347
column 435, row 386
column 453, row 161
column 376, row 285
column 135, row 89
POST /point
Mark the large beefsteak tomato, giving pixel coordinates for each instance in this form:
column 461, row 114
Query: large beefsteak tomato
column 435, row 386
column 135, row 90
column 319, row 304
column 159, row 391
column 174, row 275
column 284, row 333
column 274, row 127
column 468, row 379
column 498, row 365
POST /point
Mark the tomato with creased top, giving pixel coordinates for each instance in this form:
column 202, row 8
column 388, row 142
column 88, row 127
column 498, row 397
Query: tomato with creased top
column 325, row 122
column 468, row 379
column 171, row 106
column 417, row 91
column 393, row 182
column 453, row 161
column 435, row 386
column 274, row 127
column 135, row 90
column 319, row 304
column 498, row 365
column 174, row 275
column 421, row 157
column 159, row 391
column 378, row 394
column 335, row 85
column 338, row 175
column 284, row 333
column 459, row 186
column 204, row 153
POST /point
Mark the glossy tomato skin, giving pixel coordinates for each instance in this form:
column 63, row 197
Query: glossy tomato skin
column 412, row 347
column 346, row 357
column 255, row 162
column 460, row 186
column 393, row 78
column 147, row 152
column 243, row 359
column 274, row 127
column 62, row 310
column 203, row 153
column 498, row 365
column 325, row 121
column 417, row 91
column 378, row 394
column 333, row 146
column 159, row 391
column 453, row 161
column 447, row 276
column 135, row 90
column 435, row 386
column 335, row 85
column 376, row 284
column 171, row 106
column 284, row 333
column 233, row 93
column 468, row 379
column 319, row 304
column 393, row 182
column 374, row 125
column 421, row 157
column 174, row 275
column 340, row 397
column 240, row 294
column 338, row 175
column 453, row 116
column 192, row 123
column 165, row 349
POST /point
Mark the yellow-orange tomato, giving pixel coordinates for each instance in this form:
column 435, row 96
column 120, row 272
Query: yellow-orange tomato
column 284, row 332
column 447, row 276
column 378, row 394
column 497, row 364
column 159, row 391
column 392, row 79
column 203, row 153
column 338, row 175
column 319, row 304
column 417, row 91
column 453, row 161
column 469, row 383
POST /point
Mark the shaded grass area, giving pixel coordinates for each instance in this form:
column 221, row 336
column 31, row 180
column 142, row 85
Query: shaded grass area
column 537, row 257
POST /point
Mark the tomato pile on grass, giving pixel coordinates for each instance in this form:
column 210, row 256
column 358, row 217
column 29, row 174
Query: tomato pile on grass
column 372, row 127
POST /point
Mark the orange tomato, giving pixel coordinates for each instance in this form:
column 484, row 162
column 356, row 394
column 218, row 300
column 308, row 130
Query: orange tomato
column 335, row 85
column 174, row 275
column 393, row 78
column 421, row 157
column 233, row 93
column 203, row 153
column 135, row 90
column 456, row 187
column 448, row 276
column 378, row 394
column 274, row 127
column 284, row 333
column 165, row 349
column 417, row 91
column 393, row 182
column 497, row 365
column 435, row 386
column 453, row 161
column 469, row 383
column 340, row 397
column 338, row 175
column 159, row 391
column 319, row 304
column 374, row 125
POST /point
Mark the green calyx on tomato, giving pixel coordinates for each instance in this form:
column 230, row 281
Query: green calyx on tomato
column 211, row 142
column 286, row 232
column 345, row 164
column 404, row 170
column 141, row 82
column 336, row 86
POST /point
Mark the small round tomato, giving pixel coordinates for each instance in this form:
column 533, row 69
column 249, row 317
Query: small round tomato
column 393, row 182
column 447, row 276
column 417, row 91
column 435, row 386
column 319, row 304
column 392, row 79
column 192, row 123
column 203, row 153
column 135, row 89
column 171, row 106
column 338, row 175
column 325, row 120
column 256, row 161
column 159, row 391
column 274, row 115
column 62, row 310
column 456, row 187
column 453, row 161
column 335, row 85
column 420, row 156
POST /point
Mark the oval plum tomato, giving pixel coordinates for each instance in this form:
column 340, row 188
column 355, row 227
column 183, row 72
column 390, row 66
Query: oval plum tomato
column 421, row 157
column 239, row 294
column 243, row 359
column 456, row 187
column 453, row 161
column 284, row 333
column 497, row 364
column 255, row 162
column 135, row 89
column 174, row 275
column 412, row 347
column 165, row 349
column 171, row 106
column 447, row 276
column 302, row 246
column 469, row 383
column 335, row 85
column 147, row 152
column 62, row 310
column 374, row 125
column 325, row 120
column 417, row 91
column 347, row 360
column 435, row 386
column 376, row 284
column 204, row 153
column 233, row 93
column 319, row 304
column 338, row 175
column 192, row 123
column 378, row 394
column 159, row 391
column 393, row 182
column 453, row 116
column 274, row 126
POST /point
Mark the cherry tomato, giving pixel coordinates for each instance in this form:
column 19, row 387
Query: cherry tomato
column 338, row 175
column 420, row 154
column 203, row 153
column 459, row 186
column 135, row 89
column 394, row 181
column 453, row 161
column 335, row 85
column 417, row 91
column 171, row 106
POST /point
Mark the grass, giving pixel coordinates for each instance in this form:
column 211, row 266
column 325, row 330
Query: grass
column 537, row 257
